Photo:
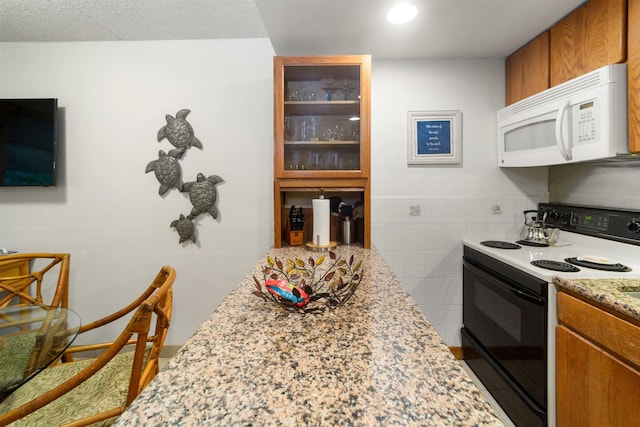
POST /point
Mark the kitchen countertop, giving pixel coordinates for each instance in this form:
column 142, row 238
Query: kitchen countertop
column 374, row 361
column 606, row 292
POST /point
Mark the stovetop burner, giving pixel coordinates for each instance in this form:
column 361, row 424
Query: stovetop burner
column 500, row 244
column 530, row 243
column 555, row 265
column 596, row 266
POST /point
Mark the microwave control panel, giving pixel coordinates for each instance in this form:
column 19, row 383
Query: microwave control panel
column 584, row 116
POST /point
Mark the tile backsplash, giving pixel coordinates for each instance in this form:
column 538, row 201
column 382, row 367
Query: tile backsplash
column 421, row 239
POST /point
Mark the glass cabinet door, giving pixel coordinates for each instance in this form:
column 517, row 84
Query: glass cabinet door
column 322, row 118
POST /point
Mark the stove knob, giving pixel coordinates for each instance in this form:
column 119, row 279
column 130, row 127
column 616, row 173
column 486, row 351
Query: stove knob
column 634, row 226
column 554, row 215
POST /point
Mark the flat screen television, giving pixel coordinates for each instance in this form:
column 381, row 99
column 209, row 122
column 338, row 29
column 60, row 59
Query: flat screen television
column 28, row 142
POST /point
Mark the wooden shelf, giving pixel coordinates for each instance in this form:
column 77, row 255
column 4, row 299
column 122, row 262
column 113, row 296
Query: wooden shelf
column 333, row 142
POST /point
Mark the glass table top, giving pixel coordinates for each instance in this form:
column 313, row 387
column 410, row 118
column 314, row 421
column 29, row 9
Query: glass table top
column 31, row 338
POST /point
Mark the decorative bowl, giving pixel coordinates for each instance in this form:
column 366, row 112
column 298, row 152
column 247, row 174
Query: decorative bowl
column 310, row 286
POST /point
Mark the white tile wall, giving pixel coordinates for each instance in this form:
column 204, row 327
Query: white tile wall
column 425, row 250
column 612, row 184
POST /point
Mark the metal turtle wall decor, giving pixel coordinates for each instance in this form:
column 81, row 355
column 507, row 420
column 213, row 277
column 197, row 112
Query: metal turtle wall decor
column 185, row 228
column 167, row 171
column 203, row 194
column 179, row 133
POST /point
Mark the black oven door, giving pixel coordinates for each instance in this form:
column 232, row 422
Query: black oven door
column 505, row 327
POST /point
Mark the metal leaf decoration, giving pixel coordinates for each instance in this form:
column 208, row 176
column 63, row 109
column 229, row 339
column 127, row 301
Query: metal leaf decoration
column 329, row 287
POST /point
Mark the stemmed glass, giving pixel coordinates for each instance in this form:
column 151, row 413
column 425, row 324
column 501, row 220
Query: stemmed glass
column 329, row 83
column 346, row 88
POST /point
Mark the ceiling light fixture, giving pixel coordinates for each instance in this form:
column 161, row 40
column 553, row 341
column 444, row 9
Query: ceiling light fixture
column 402, row 13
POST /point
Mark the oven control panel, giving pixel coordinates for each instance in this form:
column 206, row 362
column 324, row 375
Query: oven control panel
column 613, row 224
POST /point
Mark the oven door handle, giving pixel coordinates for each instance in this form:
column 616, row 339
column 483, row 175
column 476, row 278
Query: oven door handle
column 504, row 286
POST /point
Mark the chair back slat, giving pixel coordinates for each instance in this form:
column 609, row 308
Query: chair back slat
column 28, row 288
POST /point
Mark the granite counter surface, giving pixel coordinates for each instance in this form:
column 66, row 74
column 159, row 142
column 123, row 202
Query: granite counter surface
column 607, row 292
column 375, row 361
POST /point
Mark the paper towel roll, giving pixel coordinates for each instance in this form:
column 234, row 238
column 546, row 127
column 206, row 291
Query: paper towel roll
column 321, row 220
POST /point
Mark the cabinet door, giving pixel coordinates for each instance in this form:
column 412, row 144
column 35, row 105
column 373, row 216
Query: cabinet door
column 527, row 70
column 592, row 36
column 322, row 117
column 634, row 75
column 593, row 387
column 14, row 268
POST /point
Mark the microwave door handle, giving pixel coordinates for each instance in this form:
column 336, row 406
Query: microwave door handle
column 564, row 150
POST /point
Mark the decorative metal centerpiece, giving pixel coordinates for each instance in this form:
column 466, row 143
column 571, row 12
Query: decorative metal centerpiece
column 311, row 286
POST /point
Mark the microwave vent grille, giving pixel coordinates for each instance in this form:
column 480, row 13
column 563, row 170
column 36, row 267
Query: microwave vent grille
column 596, row 78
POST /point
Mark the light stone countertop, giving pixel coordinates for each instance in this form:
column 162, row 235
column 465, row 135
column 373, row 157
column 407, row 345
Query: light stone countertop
column 375, row 361
column 607, row 292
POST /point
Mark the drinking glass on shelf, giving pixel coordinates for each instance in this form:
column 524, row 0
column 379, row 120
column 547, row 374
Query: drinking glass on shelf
column 289, row 128
column 313, row 128
column 294, row 95
column 303, row 130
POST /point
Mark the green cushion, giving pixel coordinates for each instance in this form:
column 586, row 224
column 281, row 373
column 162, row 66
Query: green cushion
column 104, row 390
column 14, row 356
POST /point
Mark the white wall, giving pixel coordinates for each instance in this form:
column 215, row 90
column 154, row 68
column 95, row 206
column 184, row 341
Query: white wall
column 106, row 211
column 611, row 184
column 425, row 251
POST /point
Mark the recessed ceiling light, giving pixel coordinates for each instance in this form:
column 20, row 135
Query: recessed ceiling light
column 401, row 13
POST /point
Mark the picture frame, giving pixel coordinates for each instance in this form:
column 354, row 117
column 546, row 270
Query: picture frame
column 434, row 137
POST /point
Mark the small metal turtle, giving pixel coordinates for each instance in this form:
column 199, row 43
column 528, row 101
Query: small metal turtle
column 185, row 228
column 203, row 194
column 179, row 133
column 167, row 171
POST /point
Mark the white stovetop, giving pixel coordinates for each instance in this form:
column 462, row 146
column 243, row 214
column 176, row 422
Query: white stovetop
column 569, row 245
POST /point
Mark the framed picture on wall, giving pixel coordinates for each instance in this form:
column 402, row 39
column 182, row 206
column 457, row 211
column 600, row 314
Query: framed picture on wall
column 434, row 137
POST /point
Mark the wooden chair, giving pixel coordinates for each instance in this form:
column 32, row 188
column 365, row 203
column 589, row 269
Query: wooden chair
column 96, row 390
column 19, row 287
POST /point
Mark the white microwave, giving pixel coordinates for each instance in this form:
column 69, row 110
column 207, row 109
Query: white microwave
column 580, row 120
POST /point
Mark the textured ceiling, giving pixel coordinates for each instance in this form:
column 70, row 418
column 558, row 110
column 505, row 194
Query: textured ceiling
column 443, row 28
column 93, row 20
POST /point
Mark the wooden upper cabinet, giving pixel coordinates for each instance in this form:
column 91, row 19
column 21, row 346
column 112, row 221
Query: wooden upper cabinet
column 592, row 36
column 322, row 107
column 527, row 70
column 633, row 71
column 322, row 127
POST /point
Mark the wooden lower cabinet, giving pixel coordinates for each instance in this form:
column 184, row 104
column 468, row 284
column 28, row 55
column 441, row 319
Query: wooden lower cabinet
column 354, row 188
column 594, row 388
column 14, row 268
column 18, row 267
column 597, row 375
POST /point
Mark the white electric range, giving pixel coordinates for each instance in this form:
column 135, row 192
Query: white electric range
column 509, row 310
